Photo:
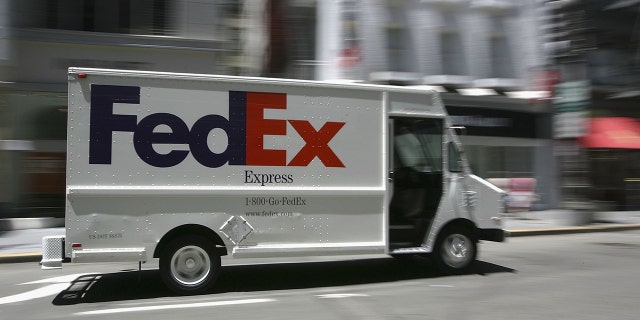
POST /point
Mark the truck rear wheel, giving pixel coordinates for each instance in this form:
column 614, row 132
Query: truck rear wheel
column 189, row 265
column 455, row 250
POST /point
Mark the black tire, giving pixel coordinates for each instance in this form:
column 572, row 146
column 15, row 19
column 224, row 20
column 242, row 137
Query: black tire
column 456, row 250
column 189, row 265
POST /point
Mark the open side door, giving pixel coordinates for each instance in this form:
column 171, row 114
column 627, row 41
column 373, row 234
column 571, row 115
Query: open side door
column 416, row 178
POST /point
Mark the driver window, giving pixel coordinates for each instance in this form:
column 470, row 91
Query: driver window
column 418, row 144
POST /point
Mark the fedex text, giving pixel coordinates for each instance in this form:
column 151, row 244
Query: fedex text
column 245, row 128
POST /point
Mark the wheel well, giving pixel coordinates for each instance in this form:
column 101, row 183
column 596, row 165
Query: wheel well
column 191, row 229
column 462, row 223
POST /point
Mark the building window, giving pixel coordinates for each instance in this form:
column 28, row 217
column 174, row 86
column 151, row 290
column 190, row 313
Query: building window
column 396, row 48
column 501, row 55
column 501, row 162
column 451, row 48
column 303, row 44
column 398, row 41
column 150, row 17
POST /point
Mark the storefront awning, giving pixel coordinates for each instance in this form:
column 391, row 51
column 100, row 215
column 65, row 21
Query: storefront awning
column 612, row 133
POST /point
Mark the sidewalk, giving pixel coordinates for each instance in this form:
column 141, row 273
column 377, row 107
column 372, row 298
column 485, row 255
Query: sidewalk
column 24, row 244
column 558, row 221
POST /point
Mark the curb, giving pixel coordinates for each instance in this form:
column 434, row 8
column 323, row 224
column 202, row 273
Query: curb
column 571, row 230
column 21, row 257
column 11, row 224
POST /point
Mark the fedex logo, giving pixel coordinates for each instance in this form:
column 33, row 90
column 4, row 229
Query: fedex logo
column 245, row 129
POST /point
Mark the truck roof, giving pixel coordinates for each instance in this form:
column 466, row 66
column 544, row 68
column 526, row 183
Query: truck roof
column 434, row 102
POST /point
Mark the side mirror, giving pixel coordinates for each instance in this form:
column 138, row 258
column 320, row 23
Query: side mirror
column 459, row 130
column 455, row 161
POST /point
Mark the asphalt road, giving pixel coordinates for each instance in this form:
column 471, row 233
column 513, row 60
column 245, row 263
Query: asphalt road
column 578, row 276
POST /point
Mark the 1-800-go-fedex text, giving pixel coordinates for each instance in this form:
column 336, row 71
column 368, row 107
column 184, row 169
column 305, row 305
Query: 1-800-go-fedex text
column 275, row 201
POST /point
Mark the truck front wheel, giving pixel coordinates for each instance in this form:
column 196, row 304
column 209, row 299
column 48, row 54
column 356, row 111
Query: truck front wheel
column 189, row 265
column 455, row 250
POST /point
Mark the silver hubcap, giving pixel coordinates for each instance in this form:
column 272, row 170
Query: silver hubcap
column 190, row 265
column 457, row 250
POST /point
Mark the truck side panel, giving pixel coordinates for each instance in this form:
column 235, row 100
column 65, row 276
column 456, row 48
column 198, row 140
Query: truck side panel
column 301, row 166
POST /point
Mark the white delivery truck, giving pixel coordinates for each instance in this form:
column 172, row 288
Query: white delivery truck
column 188, row 168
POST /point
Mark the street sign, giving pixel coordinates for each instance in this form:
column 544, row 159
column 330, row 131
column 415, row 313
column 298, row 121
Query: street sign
column 571, row 100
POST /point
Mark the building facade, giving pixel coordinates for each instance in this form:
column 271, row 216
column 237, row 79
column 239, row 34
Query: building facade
column 40, row 39
column 492, row 60
column 486, row 58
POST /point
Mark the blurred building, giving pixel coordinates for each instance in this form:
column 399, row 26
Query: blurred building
column 594, row 45
column 497, row 63
column 486, row 57
column 526, row 78
column 614, row 70
column 40, row 39
column 483, row 56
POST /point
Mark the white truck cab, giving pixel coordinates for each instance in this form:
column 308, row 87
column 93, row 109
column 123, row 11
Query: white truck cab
column 188, row 168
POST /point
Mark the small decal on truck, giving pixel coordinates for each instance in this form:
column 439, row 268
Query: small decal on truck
column 236, row 229
column 104, row 236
